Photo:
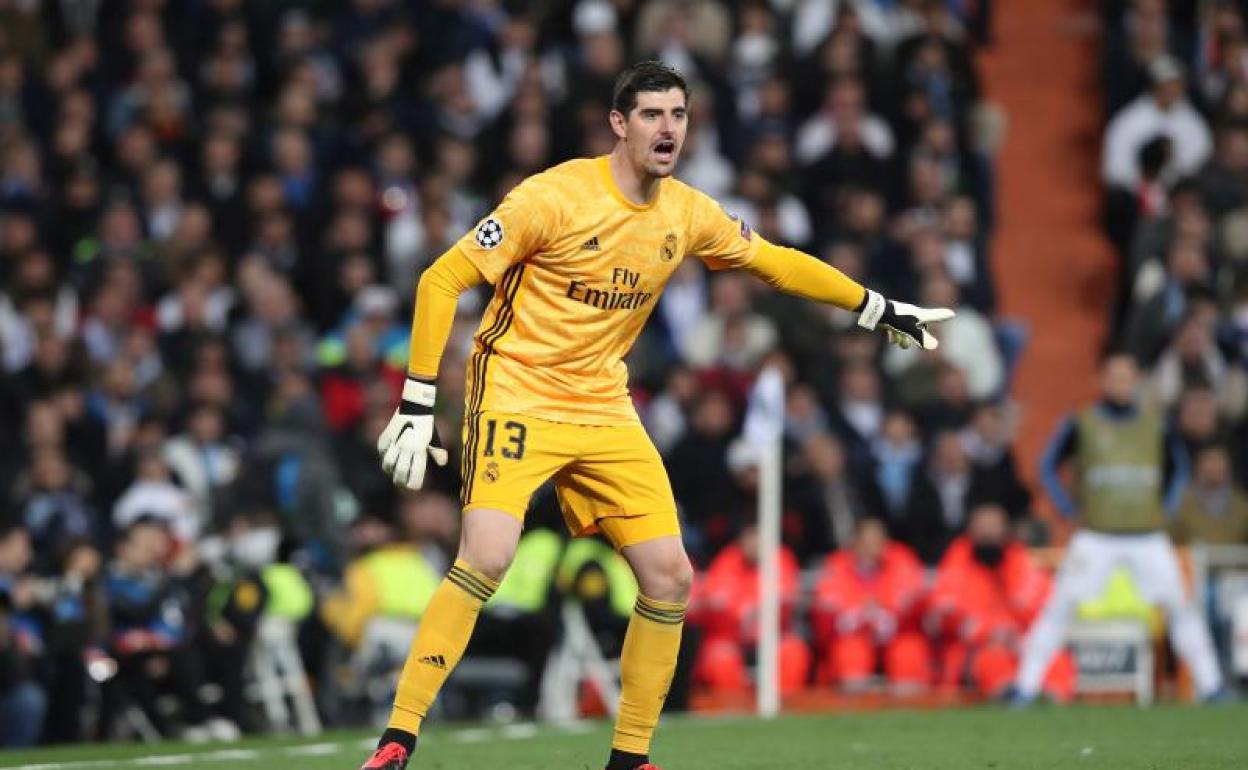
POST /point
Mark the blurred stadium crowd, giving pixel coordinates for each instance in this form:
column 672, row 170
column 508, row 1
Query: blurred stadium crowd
column 1175, row 168
column 212, row 217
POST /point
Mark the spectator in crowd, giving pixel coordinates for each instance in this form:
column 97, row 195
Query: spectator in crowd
column 896, row 454
column 74, row 615
column 731, row 335
column 858, row 416
column 1163, row 297
column 988, row 591
column 392, row 578
column 1196, row 419
column 54, row 505
column 1164, row 110
column 664, row 415
column 1141, row 37
column 701, row 480
column 1194, row 358
column 151, row 637
column 967, row 343
column 1214, row 509
column 987, row 439
column 844, row 111
column 834, row 499
column 206, row 461
column 942, row 494
column 154, row 495
column 724, row 604
column 865, row 613
column 250, row 581
column 23, row 700
column 1222, row 181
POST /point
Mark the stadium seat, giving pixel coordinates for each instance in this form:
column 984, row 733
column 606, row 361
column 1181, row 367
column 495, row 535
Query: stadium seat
column 280, row 682
column 1113, row 656
column 578, row 658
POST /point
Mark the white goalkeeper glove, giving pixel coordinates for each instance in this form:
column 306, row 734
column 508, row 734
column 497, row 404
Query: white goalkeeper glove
column 410, row 439
column 906, row 325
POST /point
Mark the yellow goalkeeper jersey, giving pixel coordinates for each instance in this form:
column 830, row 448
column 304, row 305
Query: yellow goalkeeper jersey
column 577, row 269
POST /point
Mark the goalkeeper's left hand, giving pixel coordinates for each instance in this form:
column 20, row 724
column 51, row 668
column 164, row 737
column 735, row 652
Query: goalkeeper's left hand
column 906, row 324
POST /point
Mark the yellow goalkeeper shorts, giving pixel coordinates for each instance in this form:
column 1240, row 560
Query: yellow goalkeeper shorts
column 609, row 478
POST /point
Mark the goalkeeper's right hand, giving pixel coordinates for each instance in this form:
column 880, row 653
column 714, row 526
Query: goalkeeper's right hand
column 410, row 439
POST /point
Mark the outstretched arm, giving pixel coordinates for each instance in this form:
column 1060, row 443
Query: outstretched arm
column 722, row 240
column 796, row 272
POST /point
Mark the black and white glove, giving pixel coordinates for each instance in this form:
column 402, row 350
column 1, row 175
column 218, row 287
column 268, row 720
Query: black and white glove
column 906, row 325
column 410, row 439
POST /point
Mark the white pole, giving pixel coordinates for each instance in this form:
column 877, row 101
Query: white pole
column 764, row 430
column 769, row 577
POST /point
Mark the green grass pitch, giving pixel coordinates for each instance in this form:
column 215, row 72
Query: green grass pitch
column 1104, row 738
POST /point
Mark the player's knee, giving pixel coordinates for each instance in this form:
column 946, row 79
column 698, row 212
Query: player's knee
column 488, row 541
column 682, row 578
column 668, row 578
column 491, row 560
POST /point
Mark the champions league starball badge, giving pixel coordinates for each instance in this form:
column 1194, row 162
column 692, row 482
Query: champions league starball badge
column 489, row 233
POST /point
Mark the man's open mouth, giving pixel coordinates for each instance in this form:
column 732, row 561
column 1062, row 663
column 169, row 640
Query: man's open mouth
column 665, row 150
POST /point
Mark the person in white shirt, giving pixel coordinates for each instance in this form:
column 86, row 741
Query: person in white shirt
column 844, row 108
column 968, row 344
column 1163, row 111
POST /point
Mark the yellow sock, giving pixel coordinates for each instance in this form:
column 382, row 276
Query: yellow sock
column 646, row 667
column 445, row 629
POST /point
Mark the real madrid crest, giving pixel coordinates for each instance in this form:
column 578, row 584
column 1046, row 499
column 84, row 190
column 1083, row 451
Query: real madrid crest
column 490, row 473
column 668, row 252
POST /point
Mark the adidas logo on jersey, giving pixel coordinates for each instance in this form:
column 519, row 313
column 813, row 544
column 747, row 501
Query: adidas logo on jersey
column 591, row 245
column 437, row 661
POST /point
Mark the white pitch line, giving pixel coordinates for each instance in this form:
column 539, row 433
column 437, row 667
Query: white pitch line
column 226, row 755
column 153, row 760
column 74, row 765
column 473, row 735
column 576, row 727
column 315, row 749
column 161, row 760
column 521, row 731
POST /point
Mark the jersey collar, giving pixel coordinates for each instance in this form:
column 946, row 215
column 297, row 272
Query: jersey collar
column 604, row 168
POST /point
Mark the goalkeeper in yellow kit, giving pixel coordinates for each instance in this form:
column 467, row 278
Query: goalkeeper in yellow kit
column 578, row 256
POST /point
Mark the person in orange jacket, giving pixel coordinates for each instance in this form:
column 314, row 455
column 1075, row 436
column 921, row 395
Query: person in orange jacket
column 988, row 591
column 866, row 613
column 725, row 604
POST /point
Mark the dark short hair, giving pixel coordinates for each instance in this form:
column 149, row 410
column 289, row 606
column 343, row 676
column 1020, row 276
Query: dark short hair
column 644, row 77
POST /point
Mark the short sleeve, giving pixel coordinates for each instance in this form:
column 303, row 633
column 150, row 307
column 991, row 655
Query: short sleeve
column 720, row 239
column 520, row 226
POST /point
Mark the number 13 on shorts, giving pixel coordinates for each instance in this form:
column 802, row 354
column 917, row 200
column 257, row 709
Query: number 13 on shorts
column 515, row 434
column 607, row 478
column 506, row 458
